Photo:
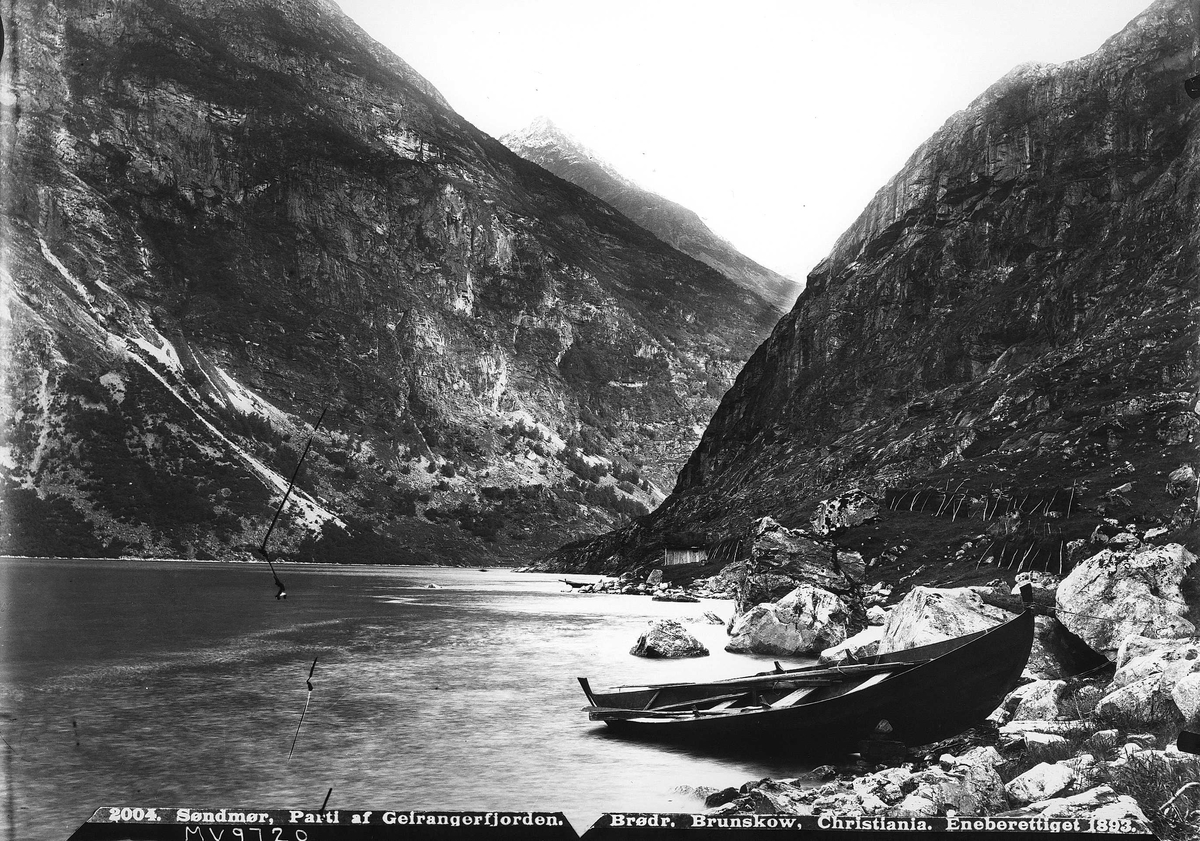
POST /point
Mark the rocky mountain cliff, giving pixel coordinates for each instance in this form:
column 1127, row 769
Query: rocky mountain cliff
column 547, row 145
column 1000, row 352
column 221, row 218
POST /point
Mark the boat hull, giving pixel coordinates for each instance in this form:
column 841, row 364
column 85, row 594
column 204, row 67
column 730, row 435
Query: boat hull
column 963, row 681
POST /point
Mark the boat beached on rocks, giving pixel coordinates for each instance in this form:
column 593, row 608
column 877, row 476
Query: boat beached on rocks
column 914, row 697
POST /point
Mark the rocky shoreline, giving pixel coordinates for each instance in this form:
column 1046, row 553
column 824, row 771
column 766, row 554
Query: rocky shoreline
column 1091, row 730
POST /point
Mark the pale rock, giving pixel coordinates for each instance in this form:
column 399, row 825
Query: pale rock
column 931, row 791
column 1043, row 739
column 777, row 797
column 875, row 785
column 1139, row 657
column 1147, row 741
column 655, row 578
column 1066, row 728
column 843, row 803
column 928, row 615
column 1140, row 703
column 1083, row 700
column 929, row 777
column 668, row 638
column 915, row 806
column 1088, row 772
column 1000, row 716
column 1099, row 802
column 1124, row 540
column 1114, row 594
column 1040, row 782
column 805, row 621
column 898, row 776
column 976, row 769
column 876, row 615
column 1129, row 749
column 872, row 805
column 1104, row 741
column 1181, row 481
column 862, row 645
column 1154, row 763
column 1142, row 689
column 1186, row 695
column 1039, row 699
column 947, row 791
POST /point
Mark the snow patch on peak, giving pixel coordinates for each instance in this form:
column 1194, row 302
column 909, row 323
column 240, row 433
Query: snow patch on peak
column 543, row 137
column 540, row 133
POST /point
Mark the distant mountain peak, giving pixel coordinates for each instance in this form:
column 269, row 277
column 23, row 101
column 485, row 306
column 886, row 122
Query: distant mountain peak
column 544, row 135
column 549, row 146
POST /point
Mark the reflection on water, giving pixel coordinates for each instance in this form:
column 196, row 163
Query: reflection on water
column 158, row 683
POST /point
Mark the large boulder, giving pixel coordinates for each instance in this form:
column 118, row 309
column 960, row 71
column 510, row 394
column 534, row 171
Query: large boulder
column 1101, row 802
column 852, row 508
column 1143, row 689
column 805, row 621
column 1138, row 704
column 982, row 788
column 668, row 638
column 780, row 559
column 1186, row 695
column 1114, row 594
column 928, row 614
column 1042, row 781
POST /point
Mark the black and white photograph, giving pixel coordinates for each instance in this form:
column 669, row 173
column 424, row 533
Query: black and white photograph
column 558, row 414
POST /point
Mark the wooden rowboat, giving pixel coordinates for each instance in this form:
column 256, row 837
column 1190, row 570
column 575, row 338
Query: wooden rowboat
column 916, row 696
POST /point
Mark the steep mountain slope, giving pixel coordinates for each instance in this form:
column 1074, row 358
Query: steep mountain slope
column 1005, row 337
column 547, row 145
column 220, row 218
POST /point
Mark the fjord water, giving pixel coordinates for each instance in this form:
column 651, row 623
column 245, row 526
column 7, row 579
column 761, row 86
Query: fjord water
column 182, row 684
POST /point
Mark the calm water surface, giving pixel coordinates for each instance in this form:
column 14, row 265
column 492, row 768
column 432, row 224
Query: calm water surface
column 181, row 684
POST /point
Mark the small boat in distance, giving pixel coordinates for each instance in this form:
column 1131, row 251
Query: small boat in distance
column 915, row 696
column 574, row 584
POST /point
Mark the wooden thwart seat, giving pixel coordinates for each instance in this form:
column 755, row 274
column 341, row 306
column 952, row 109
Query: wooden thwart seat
column 792, row 697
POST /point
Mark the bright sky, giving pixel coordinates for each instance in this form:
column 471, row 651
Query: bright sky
column 775, row 120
